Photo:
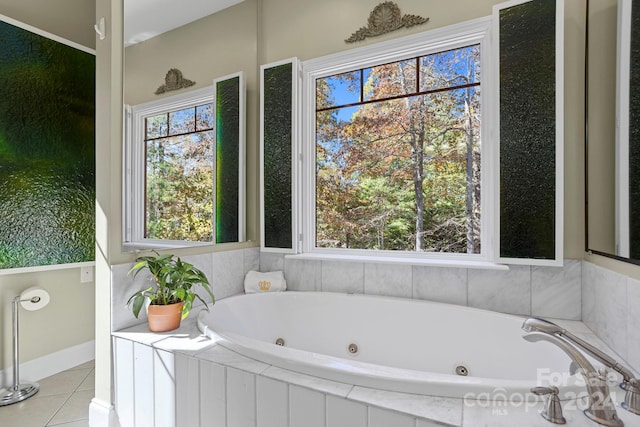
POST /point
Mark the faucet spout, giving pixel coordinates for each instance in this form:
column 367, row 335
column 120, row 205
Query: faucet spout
column 630, row 383
column 600, row 408
column 542, row 325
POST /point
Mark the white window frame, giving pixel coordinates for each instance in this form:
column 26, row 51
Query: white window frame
column 477, row 31
column 134, row 164
column 295, row 155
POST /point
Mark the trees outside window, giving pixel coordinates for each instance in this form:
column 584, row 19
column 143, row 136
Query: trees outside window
column 179, row 147
column 170, row 171
column 398, row 152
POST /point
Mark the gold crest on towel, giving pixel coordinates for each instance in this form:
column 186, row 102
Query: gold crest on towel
column 264, row 285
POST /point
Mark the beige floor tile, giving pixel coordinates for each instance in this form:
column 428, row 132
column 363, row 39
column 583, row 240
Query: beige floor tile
column 33, row 412
column 74, row 409
column 89, row 382
column 63, row 401
column 63, row 382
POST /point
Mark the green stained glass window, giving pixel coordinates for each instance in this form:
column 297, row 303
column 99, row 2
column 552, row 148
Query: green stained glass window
column 47, row 150
column 277, row 139
column 634, row 134
column 229, row 104
column 528, row 130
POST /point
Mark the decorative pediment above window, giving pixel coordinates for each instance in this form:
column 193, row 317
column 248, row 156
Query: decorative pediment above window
column 174, row 81
column 384, row 18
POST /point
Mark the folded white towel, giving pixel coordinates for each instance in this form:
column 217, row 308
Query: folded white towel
column 272, row 281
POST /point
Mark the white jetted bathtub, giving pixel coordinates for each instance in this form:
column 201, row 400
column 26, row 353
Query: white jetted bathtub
column 394, row 344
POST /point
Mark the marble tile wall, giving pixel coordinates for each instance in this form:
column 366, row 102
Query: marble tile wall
column 554, row 292
column 607, row 302
column 225, row 270
column 611, row 308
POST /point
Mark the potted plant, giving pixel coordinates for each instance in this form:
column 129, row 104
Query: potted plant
column 171, row 296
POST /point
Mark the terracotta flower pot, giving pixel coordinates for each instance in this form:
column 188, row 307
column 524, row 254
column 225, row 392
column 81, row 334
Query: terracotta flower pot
column 164, row 318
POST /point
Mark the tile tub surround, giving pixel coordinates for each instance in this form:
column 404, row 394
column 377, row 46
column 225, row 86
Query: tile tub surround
column 611, row 308
column 531, row 291
column 200, row 382
column 225, row 271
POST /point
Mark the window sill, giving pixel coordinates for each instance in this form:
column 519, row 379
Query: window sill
column 429, row 262
column 161, row 244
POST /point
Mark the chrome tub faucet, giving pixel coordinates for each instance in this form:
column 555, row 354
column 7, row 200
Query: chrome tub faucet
column 600, row 408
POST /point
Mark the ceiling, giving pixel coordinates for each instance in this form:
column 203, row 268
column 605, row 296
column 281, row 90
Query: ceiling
column 145, row 19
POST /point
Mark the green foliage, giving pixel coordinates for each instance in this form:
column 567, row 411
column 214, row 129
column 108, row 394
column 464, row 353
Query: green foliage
column 180, row 188
column 173, row 282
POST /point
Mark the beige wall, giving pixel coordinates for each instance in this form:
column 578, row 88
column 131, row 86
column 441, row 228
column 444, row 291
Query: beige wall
column 308, row 28
column 65, row 322
column 69, row 19
column 68, row 319
column 214, row 46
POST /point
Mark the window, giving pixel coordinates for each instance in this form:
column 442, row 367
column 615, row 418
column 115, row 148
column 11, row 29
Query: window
column 394, row 148
column 170, row 164
column 179, row 163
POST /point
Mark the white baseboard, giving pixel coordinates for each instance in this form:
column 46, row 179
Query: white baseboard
column 102, row 414
column 42, row 367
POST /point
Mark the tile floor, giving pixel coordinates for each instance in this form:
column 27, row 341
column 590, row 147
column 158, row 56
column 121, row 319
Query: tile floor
column 63, row 400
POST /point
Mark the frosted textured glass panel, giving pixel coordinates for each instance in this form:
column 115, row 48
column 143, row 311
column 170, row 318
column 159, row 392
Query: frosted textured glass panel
column 47, row 150
column 634, row 134
column 277, row 156
column 527, row 130
column 227, row 159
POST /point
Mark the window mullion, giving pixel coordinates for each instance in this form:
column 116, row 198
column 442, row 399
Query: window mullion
column 361, row 85
column 417, row 74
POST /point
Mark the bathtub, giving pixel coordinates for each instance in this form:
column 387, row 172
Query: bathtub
column 393, row 344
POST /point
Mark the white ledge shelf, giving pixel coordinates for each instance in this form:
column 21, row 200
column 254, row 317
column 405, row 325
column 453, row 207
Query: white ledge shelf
column 431, row 262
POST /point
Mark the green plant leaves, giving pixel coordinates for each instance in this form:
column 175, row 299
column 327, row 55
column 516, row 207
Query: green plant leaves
column 174, row 281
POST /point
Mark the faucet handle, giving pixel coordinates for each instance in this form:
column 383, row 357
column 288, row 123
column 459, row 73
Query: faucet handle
column 553, row 410
column 632, row 396
column 543, row 391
